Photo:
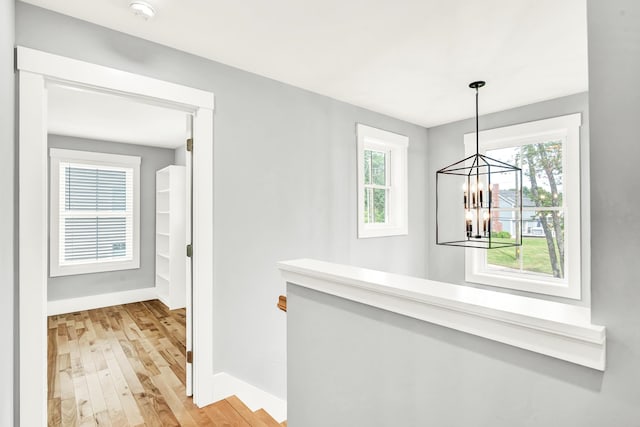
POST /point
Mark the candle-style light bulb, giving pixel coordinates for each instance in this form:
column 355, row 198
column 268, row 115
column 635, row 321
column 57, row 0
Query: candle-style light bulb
column 485, row 222
column 464, row 189
column 480, row 188
column 469, row 223
column 473, row 197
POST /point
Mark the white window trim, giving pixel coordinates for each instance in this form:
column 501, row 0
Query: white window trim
column 86, row 157
column 576, row 229
column 369, row 138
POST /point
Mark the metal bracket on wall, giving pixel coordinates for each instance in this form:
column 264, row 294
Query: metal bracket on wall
column 190, row 144
column 189, row 251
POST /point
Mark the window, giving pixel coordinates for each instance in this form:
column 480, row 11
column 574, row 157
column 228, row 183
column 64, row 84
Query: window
column 94, row 210
column 382, row 182
column 549, row 260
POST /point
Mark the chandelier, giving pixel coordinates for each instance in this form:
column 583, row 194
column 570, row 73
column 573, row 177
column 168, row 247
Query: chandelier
column 479, row 200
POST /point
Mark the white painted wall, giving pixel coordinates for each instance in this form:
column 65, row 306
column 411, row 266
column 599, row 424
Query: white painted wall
column 7, row 177
column 284, row 184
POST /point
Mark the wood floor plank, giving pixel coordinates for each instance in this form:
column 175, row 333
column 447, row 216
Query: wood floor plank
column 127, row 401
column 154, row 406
column 68, row 412
column 112, row 400
column 124, row 366
column 219, row 419
column 53, row 386
column 266, row 418
column 145, row 358
column 244, row 411
column 93, row 382
column 231, row 414
column 152, row 402
column 54, row 415
column 81, row 389
column 104, row 419
column 198, row 414
column 182, row 415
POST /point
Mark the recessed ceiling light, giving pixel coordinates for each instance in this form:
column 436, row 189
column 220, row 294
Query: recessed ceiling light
column 142, row 8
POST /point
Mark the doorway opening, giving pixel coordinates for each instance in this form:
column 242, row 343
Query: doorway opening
column 119, row 220
column 41, row 77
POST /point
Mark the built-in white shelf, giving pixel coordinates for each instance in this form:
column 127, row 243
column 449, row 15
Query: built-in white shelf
column 171, row 260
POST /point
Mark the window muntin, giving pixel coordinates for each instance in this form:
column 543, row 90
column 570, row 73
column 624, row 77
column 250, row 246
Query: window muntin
column 376, row 186
column 549, row 261
column 94, row 212
column 382, row 182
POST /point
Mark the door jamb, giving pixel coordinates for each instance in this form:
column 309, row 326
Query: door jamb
column 36, row 69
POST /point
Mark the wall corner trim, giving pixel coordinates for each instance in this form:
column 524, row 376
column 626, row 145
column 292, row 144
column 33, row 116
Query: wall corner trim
column 91, row 302
column 554, row 329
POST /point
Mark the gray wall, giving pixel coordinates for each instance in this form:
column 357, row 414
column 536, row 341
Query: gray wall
column 378, row 369
column 180, row 156
column 284, row 184
column 6, row 213
column 370, row 365
column 79, row 285
column 446, row 146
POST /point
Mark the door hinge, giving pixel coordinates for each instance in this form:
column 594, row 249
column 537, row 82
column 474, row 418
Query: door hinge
column 189, row 356
column 189, row 251
column 190, row 144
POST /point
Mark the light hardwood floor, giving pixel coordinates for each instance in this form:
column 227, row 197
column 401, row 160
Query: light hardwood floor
column 124, row 366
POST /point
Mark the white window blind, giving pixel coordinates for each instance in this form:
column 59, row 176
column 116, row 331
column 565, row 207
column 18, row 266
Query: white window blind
column 96, row 218
column 94, row 212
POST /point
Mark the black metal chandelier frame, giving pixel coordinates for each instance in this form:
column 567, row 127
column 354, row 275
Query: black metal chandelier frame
column 480, row 165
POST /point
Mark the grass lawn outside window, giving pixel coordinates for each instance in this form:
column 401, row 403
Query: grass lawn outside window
column 534, row 253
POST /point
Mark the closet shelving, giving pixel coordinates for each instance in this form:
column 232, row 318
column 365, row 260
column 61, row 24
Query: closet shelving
column 171, row 261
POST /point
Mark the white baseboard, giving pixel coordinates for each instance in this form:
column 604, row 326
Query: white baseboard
column 163, row 299
column 71, row 305
column 225, row 385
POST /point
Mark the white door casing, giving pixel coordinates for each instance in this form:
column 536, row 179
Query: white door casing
column 36, row 70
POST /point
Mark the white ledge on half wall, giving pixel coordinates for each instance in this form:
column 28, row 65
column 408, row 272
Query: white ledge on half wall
column 558, row 330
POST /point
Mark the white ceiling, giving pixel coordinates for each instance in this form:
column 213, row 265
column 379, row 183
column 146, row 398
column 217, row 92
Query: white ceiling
column 410, row 59
column 86, row 114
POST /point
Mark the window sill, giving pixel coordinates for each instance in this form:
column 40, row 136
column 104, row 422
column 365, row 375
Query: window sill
column 383, row 230
column 522, row 282
column 558, row 330
column 96, row 267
